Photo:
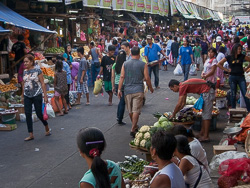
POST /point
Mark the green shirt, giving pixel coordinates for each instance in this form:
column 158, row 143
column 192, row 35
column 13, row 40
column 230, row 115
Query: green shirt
column 116, row 172
column 197, row 51
column 117, row 76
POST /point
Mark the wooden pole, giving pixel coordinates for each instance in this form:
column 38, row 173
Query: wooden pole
column 34, row 48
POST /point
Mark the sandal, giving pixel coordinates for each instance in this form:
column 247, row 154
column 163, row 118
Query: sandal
column 66, row 112
column 29, row 138
column 48, row 133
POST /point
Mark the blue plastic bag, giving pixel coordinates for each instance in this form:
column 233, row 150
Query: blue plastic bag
column 199, row 104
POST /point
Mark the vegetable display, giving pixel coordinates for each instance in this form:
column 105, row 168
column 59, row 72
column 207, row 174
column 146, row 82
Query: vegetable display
column 142, row 138
column 191, row 100
column 47, row 71
column 221, row 93
column 54, row 50
column 49, row 78
column 215, row 111
column 132, row 166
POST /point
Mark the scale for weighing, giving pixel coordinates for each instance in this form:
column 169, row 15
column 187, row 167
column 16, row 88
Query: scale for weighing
column 231, row 132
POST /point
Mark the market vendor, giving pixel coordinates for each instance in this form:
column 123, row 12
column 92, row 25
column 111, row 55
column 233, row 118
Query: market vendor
column 197, row 86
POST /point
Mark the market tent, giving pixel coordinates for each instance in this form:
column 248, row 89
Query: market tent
column 2, row 30
column 10, row 17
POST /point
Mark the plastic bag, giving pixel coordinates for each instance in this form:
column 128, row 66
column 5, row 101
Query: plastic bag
column 199, row 104
column 193, row 70
column 45, row 115
column 97, row 87
column 50, row 111
column 218, row 159
column 178, row 70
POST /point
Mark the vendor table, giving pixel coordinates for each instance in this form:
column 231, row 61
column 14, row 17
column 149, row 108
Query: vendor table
column 144, row 151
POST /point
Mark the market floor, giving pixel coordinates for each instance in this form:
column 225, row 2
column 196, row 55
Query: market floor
column 54, row 161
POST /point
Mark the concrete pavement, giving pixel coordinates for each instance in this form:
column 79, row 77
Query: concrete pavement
column 54, row 161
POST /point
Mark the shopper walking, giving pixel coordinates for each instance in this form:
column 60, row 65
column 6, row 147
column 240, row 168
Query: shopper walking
column 95, row 63
column 236, row 71
column 116, row 74
column 61, row 87
column 204, row 46
column 133, row 73
column 175, row 50
column 106, row 70
column 82, row 77
column 151, row 51
column 33, row 87
column 186, row 58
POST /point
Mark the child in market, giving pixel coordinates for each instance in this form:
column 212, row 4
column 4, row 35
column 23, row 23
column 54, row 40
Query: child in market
column 82, row 77
column 164, row 63
column 106, row 68
column 197, row 54
column 61, row 87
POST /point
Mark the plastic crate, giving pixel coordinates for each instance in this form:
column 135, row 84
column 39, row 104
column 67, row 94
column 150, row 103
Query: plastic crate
column 198, row 123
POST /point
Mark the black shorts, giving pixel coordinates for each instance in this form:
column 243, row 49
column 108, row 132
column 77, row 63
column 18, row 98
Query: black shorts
column 205, row 52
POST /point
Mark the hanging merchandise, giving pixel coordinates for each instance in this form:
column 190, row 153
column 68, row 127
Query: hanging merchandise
column 161, row 7
column 155, row 7
column 173, row 8
column 78, row 30
column 139, row 6
column 83, row 36
column 118, row 5
column 148, row 6
column 130, row 5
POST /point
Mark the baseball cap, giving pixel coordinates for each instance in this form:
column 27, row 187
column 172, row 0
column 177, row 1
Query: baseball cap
column 218, row 39
column 149, row 36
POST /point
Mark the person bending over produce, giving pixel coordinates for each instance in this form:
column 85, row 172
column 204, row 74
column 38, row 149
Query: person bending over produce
column 198, row 86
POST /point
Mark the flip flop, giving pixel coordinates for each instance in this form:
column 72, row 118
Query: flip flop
column 204, row 141
column 87, row 104
column 66, row 112
column 29, row 138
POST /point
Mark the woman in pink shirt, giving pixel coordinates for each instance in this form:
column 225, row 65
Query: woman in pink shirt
column 209, row 71
column 101, row 45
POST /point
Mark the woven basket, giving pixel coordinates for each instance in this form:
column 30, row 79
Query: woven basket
column 247, row 144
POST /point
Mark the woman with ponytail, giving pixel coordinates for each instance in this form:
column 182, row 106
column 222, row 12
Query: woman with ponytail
column 195, row 174
column 101, row 174
column 196, row 148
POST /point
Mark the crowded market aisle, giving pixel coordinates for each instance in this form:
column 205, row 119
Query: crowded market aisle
column 55, row 161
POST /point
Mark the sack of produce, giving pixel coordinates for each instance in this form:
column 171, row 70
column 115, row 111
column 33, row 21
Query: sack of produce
column 193, row 70
column 178, row 70
column 199, row 104
column 97, row 87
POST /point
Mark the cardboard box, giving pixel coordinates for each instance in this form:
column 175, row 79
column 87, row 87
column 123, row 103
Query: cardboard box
column 8, row 127
column 218, row 149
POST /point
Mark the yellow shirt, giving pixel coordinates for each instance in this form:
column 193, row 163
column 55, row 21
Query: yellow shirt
column 142, row 55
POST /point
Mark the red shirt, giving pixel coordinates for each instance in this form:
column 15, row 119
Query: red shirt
column 193, row 88
column 133, row 43
column 221, row 33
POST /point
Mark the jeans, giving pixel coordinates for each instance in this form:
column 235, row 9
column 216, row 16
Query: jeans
column 121, row 105
column 155, row 70
column 185, row 69
column 37, row 101
column 94, row 72
column 67, row 96
column 241, row 81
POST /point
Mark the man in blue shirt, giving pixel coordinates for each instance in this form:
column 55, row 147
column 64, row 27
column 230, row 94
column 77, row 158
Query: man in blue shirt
column 151, row 54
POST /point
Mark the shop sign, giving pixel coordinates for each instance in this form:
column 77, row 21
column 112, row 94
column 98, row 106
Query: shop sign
column 130, row 5
column 91, row 3
column 166, row 7
column 173, row 8
column 51, row 1
column 78, row 30
column 68, row 2
column 105, row 4
column 155, row 7
column 139, row 5
column 148, row 6
column 118, row 4
column 161, row 7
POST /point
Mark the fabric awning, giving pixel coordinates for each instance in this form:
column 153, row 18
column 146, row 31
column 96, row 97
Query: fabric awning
column 10, row 17
column 2, row 30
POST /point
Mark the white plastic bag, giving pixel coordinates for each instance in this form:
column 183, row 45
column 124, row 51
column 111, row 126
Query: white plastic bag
column 50, row 111
column 178, row 70
column 193, row 70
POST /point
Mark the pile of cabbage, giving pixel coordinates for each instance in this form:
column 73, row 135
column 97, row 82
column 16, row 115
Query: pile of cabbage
column 191, row 100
